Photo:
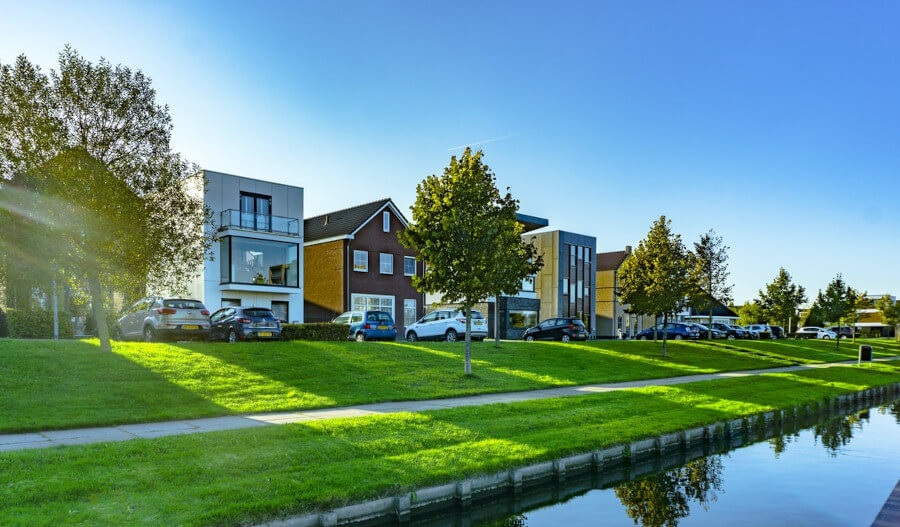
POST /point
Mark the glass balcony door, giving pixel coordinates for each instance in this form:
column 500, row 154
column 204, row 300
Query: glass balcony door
column 256, row 212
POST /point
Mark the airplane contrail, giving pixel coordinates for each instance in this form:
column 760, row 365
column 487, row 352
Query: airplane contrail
column 486, row 141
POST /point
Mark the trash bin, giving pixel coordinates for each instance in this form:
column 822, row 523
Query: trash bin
column 865, row 353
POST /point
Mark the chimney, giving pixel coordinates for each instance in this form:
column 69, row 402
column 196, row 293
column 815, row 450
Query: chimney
column 627, row 250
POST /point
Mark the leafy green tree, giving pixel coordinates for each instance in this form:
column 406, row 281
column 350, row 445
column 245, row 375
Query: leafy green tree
column 712, row 272
column 836, row 302
column 750, row 313
column 815, row 316
column 467, row 234
column 658, row 279
column 859, row 301
column 781, row 299
column 93, row 139
column 890, row 313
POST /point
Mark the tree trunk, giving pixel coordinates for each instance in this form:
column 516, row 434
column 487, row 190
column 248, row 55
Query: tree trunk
column 665, row 332
column 99, row 313
column 497, row 321
column 468, row 340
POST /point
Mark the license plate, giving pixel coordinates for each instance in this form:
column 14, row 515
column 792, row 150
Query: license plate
column 265, row 333
column 479, row 323
column 382, row 327
column 190, row 327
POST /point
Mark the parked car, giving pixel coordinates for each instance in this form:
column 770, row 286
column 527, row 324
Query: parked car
column 156, row 318
column 447, row 324
column 826, row 335
column 762, row 330
column 369, row 325
column 778, row 332
column 807, row 332
column 562, row 329
column 233, row 323
column 704, row 332
column 674, row 331
column 731, row 332
column 845, row 332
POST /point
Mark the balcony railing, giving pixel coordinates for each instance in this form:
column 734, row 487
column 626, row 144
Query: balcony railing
column 250, row 221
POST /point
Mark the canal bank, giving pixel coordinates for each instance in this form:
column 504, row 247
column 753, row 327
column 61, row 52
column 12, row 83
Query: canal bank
column 511, row 492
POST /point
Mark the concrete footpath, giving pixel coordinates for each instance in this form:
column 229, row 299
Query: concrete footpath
column 79, row 436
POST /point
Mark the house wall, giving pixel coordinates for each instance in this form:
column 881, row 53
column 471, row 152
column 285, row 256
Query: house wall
column 374, row 240
column 324, row 280
column 606, row 303
column 222, row 192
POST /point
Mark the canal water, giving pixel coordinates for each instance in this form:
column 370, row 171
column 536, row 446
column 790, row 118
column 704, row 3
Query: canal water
column 833, row 471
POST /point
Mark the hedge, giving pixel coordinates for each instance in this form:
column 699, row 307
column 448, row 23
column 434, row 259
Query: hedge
column 37, row 324
column 315, row 331
column 4, row 329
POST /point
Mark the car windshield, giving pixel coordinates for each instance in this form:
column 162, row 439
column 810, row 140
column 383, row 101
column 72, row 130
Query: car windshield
column 183, row 304
column 259, row 313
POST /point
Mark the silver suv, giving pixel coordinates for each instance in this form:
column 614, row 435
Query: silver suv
column 156, row 318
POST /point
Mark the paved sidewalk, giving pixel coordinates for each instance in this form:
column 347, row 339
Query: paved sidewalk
column 79, row 436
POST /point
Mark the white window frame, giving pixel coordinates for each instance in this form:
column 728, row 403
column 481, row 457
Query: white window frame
column 385, row 258
column 406, row 259
column 365, row 256
column 407, row 303
column 367, row 304
column 386, row 221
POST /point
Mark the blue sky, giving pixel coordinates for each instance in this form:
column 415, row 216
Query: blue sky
column 775, row 123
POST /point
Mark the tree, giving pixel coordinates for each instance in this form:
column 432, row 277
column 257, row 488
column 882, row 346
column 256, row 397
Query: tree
column 712, row 272
column 658, row 278
column 467, row 234
column 859, row 302
column 781, row 299
column 78, row 134
column 836, row 303
column 890, row 313
column 750, row 313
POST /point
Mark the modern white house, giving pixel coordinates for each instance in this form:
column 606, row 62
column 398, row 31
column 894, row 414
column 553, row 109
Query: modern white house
column 258, row 260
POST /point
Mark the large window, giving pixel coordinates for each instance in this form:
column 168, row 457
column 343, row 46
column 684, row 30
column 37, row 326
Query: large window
column 409, row 266
column 258, row 262
column 360, row 261
column 409, row 311
column 522, row 319
column 386, row 263
column 372, row 303
column 256, row 211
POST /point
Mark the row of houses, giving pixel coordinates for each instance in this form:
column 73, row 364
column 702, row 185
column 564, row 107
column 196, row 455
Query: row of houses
column 313, row 269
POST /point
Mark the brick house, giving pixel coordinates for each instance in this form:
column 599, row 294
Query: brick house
column 354, row 261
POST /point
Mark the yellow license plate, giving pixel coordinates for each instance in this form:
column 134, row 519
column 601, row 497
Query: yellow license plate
column 190, row 327
column 382, row 327
column 265, row 333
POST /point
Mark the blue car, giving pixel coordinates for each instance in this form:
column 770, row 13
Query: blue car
column 675, row 331
column 369, row 325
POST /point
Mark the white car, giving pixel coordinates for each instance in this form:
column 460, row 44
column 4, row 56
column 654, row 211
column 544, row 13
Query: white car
column 808, row 332
column 826, row 335
column 448, row 325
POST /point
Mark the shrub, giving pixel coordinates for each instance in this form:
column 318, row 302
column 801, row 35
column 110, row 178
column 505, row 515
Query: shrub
column 37, row 324
column 4, row 329
column 315, row 331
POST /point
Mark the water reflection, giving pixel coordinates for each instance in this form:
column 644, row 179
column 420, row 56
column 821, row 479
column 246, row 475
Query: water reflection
column 837, row 433
column 663, row 499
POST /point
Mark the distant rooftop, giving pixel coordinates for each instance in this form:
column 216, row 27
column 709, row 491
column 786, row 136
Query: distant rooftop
column 532, row 223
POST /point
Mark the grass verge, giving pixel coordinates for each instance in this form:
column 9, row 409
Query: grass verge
column 247, row 476
column 813, row 351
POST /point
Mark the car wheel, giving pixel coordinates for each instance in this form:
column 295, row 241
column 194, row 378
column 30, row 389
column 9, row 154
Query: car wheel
column 643, row 337
column 232, row 336
column 529, row 338
column 451, row 335
column 360, row 337
column 119, row 335
column 678, row 337
column 565, row 338
column 730, row 337
column 149, row 334
column 826, row 337
column 412, row 337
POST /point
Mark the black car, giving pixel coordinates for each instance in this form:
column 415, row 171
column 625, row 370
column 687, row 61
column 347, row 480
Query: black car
column 777, row 332
column 731, row 332
column 241, row 323
column 843, row 332
column 563, row 329
column 674, row 331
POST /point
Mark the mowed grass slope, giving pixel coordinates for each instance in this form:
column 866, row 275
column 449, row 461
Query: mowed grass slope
column 248, row 476
column 813, row 351
column 48, row 384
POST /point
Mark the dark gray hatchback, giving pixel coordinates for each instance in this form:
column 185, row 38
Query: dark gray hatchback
column 232, row 324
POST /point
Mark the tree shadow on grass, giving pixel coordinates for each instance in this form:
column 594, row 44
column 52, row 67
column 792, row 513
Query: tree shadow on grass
column 47, row 385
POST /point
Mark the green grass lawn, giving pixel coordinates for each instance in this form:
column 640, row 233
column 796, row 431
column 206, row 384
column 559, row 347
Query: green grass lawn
column 246, row 476
column 64, row 384
column 811, row 351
